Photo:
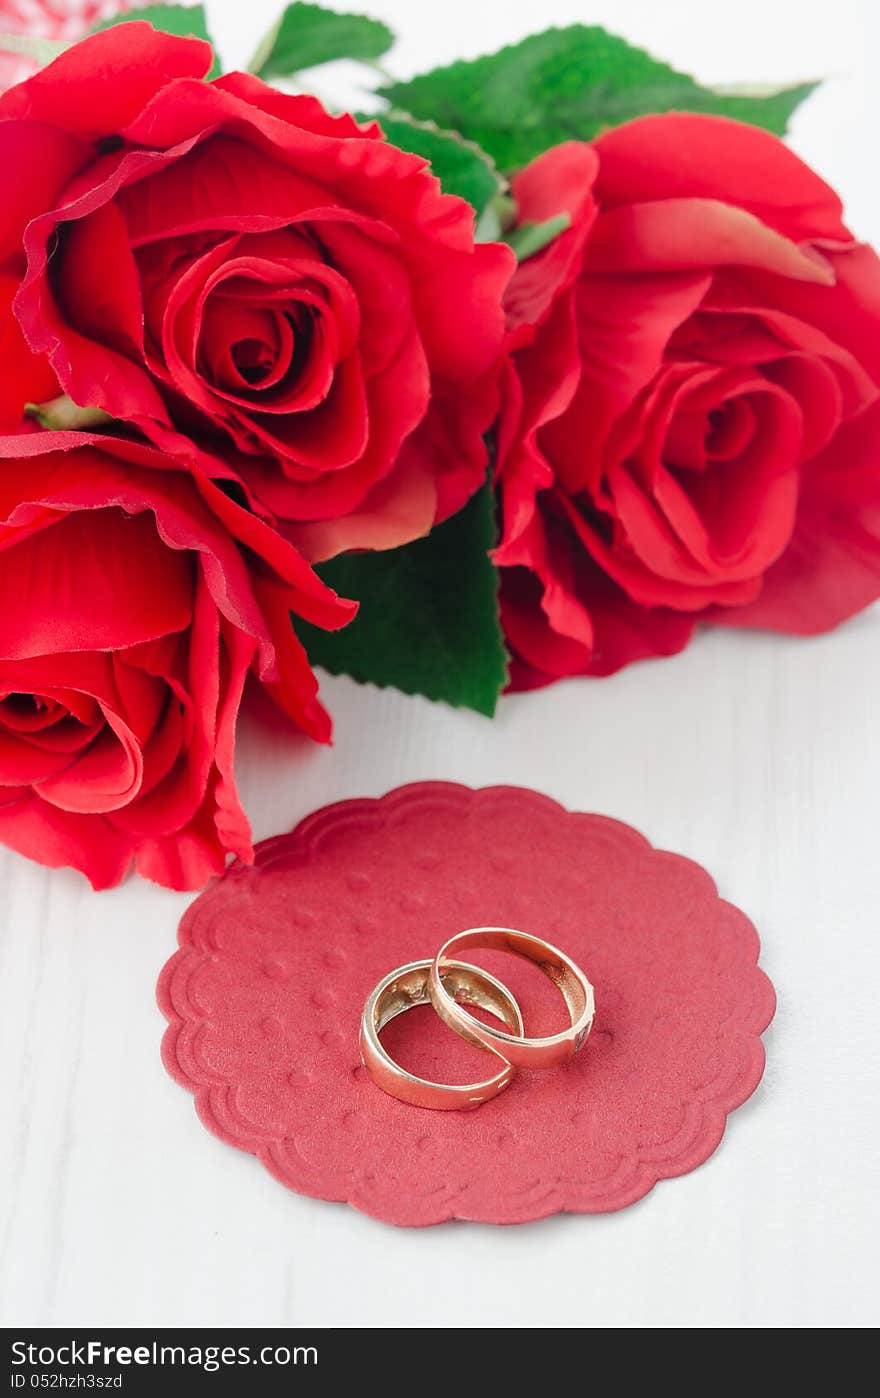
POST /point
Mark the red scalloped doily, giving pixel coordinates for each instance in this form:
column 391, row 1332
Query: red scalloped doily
column 265, row 994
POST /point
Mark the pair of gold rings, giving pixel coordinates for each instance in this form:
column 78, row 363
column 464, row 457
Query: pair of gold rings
column 451, row 986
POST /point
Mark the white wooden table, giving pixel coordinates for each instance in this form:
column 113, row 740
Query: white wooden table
column 757, row 756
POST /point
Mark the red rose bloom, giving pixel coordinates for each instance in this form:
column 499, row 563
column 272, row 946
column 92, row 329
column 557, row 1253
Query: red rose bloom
column 282, row 287
column 692, row 418
column 135, row 598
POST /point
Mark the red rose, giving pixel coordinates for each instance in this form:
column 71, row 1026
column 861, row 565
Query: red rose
column 135, row 598
column 230, row 263
column 692, row 426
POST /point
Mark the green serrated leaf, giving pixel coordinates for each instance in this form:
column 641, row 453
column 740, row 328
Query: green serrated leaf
column 428, row 620
column 530, row 238
column 773, row 110
column 461, row 167
column 308, row 35
column 187, row 21
column 569, row 84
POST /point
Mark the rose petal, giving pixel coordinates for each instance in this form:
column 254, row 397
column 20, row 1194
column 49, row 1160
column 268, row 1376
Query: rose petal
column 831, row 569
column 331, row 436
column 56, row 838
column 624, row 325
column 299, row 109
column 393, row 407
column 369, row 175
column 90, row 372
column 559, row 181
column 222, row 184
column 37, row 161
column 98, row 288
column 622, row 632
column 451, row 440
column 27, row 758
column 106, row 776
column 684, row 235
column 294, row 687
column 398, row 509
column 545, row 548
column 542, row 379
column 457, row 300
column 731, row 518
column 69, row 587
column 78, row 471
column 847, row 314
column 679, row 585
column 380, row 280
column 684, row 156
column 102, row 83
column 173, row 803
column 26, row 378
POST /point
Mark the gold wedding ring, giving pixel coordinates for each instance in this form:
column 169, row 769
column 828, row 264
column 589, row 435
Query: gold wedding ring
column 571, row 982
column 454, row 988
column 402, row 990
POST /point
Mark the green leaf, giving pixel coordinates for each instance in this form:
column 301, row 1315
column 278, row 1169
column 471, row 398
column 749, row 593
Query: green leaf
column 497, row 219
column 187, row 21
column 772, row 109
column 461, row 167
column 530, row 238
column 569, row 84
column 428, row 620
column 42, row 51
column 63, row 415
column 307, row 35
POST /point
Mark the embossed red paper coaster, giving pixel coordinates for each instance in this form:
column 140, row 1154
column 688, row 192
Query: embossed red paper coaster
column 265, row 994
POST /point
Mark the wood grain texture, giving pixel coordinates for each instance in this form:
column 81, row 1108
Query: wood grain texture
column 758, row 756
